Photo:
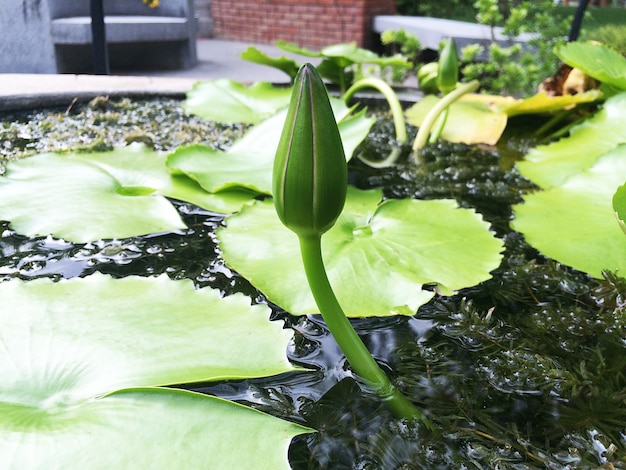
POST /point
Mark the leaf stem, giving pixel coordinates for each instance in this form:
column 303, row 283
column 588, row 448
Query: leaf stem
column 349, row 341
column 392, row 100
column 424, row 130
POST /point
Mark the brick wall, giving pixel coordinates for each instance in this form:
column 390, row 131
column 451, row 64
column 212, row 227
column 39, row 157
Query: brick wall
column 308, row 23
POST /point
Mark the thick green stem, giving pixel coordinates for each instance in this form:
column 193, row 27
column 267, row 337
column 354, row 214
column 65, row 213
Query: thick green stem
column 355, row 351
column 427, row 124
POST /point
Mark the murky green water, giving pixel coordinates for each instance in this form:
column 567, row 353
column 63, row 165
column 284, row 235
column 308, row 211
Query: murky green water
column 525, row 371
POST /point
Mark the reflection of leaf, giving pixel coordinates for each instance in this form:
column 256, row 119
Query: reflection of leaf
column 619, row 206
column 229, row 101
column 377, row 255
column 69, row 346
column 596, row 60
column 469, row 122
column 551, row 165
column 86, row 197
column 248, row 163
column 575, row 223
column 289, row 66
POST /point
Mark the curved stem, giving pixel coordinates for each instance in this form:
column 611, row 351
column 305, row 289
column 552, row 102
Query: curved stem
column 349, row 341
column 440, row 124
column 392, row 100
column 433, row 114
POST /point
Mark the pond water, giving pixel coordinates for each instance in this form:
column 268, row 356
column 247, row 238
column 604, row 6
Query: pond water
column 524, row 371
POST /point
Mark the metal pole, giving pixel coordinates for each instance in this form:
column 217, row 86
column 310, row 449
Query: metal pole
column 98, row 39
column 578, row 20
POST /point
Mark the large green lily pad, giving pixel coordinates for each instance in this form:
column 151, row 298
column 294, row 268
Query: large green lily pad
column 378, row 255
column 552, row 164
column 86, row 197
column 228, row 101
column 575, row 223
column 70, row 349
column 248, row 164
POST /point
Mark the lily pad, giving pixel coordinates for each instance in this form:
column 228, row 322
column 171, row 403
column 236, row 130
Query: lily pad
column 378, row 255
column 478, row 118
column 71, row 348
column 249, row 162
column 289, row 66
column 86, row 197
column 552, row 164
column 228, row 101
column 596, row 60
column 619, row 206
column 469, row 122
column 575, row 223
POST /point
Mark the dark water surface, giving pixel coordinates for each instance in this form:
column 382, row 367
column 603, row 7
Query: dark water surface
column 524, row 371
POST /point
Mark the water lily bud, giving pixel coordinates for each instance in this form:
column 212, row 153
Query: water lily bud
column 310, row 171
column 448, row 74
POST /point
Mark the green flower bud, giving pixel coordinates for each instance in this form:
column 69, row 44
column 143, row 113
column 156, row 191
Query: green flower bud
column 427, row 77
column 448, row 74
column 310, row 172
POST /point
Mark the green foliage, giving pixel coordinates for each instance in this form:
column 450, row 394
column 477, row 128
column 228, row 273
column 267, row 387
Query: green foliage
column 86, row 363
column 378, row 255
column 611, row 35
column 405, row 43
column 511, row 69
column 457, row 9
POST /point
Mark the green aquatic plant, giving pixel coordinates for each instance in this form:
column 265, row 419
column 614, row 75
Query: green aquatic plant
column 309, row 185
column 92, row 371
column 447, row 83
column 341, row 64
column 123, row 192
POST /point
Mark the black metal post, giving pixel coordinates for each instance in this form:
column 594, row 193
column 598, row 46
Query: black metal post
column 98, row 39
column 578, row 20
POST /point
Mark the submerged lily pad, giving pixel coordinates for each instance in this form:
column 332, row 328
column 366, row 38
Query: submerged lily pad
column 83, row 197
column 552, row 164
column 71, row 348
column 378, row 255
column 248, row 164
column 575, row 223
column 228, row 101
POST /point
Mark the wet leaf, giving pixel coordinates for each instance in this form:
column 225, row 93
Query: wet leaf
column 552, row 164
column 71, row 348
column 469, row 122
column 378, row 255
column 249, row 162
column 575, row 223
column 83, row 197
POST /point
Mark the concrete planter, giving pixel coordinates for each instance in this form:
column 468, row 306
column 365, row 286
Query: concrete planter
column 25, row 41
